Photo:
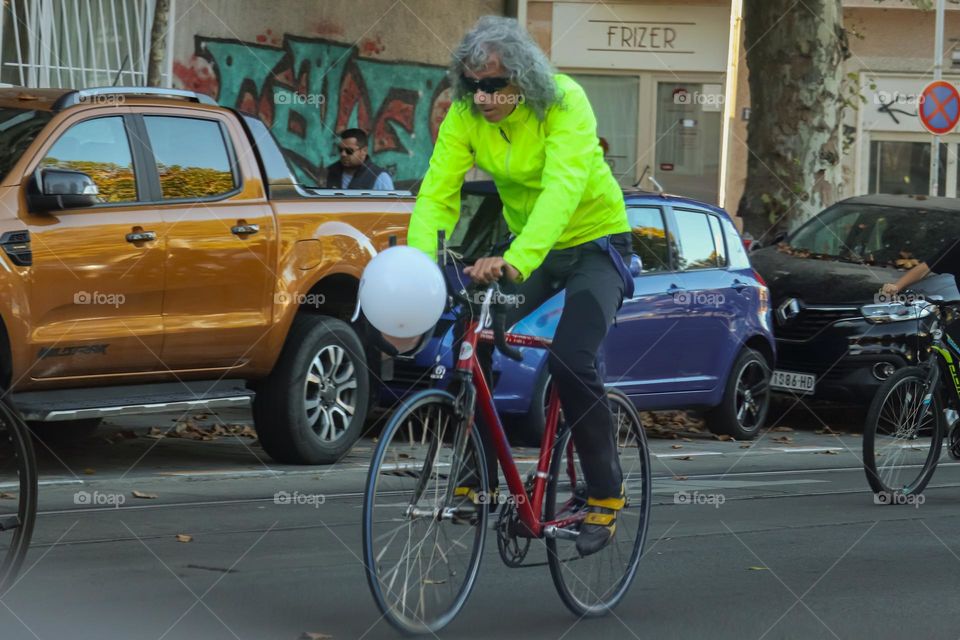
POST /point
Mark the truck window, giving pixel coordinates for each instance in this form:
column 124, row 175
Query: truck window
column 193, row 159
column 99, row 148
column 18, row 128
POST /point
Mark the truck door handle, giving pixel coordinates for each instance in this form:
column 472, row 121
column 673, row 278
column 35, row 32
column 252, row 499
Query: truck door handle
column 244, row 229
column 141, row 236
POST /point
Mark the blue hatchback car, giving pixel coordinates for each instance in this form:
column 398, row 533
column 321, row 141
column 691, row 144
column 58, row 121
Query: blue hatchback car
column 695, row 335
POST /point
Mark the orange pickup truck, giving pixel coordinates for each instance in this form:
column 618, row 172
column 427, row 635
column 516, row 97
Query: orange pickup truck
column 158, row 255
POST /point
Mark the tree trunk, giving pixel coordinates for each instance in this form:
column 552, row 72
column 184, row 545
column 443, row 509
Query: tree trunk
column 794, row 55
column 158, row 42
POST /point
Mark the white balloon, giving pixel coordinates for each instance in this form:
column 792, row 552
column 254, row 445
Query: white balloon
column 402, row 292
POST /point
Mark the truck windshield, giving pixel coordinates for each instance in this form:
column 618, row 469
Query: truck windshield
column 18, row 128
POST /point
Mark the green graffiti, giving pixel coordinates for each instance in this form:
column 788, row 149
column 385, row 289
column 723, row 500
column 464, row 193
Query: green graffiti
column 309, row 89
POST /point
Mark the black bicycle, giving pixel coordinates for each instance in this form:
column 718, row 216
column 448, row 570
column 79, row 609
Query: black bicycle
column 18, row 493
column 906, row 424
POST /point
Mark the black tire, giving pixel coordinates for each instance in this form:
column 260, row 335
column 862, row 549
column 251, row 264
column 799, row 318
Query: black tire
column 526, row 430
column 904, row 469
column 65, row 432
column 578, row 580
column 304, row 414
column 18, row 465
column 417, row 437
column 746, row 398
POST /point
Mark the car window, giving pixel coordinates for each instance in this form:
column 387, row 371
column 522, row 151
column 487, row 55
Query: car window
column 199, row 169
column 698, row 249
column 100, row 148
column 718, row 240
column 872, row 234
column 649, row 238
column 737, row 258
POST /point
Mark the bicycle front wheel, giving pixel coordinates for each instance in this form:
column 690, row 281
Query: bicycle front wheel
column 18, row 484
column 592, row 585
column 422, row 551
column 903, row 435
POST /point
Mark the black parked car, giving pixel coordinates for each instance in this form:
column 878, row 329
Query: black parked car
column 822, row 275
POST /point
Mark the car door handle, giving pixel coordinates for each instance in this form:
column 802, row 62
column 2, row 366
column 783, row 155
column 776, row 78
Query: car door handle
column 672, row 289
column 739, row 286
column 141, row 236
column 244, row 229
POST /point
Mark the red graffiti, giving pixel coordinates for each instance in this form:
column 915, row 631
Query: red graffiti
column 372, row 46
column 197, row 75
column 439, row 111
column 398, row 107
column 353, row 93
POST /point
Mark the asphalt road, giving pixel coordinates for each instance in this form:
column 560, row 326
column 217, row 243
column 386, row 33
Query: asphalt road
column 797, row 549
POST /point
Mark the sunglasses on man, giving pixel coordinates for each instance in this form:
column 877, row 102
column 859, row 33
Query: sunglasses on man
column 348, row 150
column 487, row 85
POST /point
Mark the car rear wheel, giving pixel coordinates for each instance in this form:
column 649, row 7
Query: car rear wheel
column 746, row 398
column 312, row 407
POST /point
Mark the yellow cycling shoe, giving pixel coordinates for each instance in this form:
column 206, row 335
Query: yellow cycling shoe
column 600, row 525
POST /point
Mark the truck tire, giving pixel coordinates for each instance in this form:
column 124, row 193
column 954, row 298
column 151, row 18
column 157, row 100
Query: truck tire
column 311, row 409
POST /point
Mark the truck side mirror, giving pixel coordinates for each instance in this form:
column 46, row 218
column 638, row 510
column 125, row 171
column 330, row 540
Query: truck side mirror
column 52, row 189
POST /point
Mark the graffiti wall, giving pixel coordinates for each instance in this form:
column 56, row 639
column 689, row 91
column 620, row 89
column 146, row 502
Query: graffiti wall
column 307, row 89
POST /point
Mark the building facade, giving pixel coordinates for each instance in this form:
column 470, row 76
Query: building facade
column 667, row 78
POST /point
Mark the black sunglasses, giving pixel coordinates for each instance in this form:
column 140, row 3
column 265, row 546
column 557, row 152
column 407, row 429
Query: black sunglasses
column 348, row 150
column 487, row 85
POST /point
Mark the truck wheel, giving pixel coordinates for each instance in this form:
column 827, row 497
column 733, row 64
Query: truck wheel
column 746, row 398
column 312, row 407
column 64, row 431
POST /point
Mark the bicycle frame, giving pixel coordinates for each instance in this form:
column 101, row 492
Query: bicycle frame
column 469, row 370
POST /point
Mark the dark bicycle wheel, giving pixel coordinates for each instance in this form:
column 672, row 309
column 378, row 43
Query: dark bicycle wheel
column 903, row 435
column 592, row 585
column 421, row 552
column 18, row 494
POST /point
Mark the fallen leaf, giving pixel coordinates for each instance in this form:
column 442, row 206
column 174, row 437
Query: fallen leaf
column 679, row 477
column 782, row 429
column 724, row 438
column 783, row 439
column 757, row 569
column 677, row 446
column 89, row 472
column 7, row 496
column 829, row 452
column 314, row 636
column 182, row 537
column 145, row 496
column 687, row 439
column 745, row 446
column 684, row 458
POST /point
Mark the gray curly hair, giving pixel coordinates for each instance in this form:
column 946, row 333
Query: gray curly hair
column 526, row 63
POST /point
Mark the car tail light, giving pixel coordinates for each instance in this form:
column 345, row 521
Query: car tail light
column 759, row 278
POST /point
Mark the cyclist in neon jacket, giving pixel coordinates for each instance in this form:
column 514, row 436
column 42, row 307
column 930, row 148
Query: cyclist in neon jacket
column 535, row 133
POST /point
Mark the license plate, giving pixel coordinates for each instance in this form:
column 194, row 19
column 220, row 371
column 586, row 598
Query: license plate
column 793, row 381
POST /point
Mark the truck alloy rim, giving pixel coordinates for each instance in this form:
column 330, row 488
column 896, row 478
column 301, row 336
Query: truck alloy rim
column 330, row 393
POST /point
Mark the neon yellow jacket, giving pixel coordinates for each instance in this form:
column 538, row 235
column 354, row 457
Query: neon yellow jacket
column 556, row 188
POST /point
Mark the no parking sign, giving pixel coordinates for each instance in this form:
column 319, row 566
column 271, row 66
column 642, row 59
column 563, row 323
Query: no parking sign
column 939, row 107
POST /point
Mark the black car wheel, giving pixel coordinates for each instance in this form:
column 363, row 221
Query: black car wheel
column 312, row 407
column 746, row 399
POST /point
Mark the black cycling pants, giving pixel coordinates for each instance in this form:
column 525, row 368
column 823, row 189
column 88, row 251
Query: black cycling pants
column 594, row 289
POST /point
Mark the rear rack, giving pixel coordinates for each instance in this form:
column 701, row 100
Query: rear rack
column 97, row 94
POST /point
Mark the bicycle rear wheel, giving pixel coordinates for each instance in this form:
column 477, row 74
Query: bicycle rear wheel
column 592, row 585
column 422, row 553
column 18, row 494
column 903, row 436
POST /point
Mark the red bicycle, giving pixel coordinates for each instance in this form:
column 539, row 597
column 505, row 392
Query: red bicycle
column 427, row 495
